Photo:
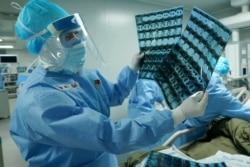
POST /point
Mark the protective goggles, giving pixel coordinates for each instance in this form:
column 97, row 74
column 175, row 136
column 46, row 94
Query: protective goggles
column 70, row 30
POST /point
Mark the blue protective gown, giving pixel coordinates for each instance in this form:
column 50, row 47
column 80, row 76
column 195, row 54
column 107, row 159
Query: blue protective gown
column 220, row 103
column 143, row 98
column 63, row 120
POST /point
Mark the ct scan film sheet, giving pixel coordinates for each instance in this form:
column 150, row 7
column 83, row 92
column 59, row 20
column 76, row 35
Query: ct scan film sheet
column 157, row 34
column 187, row 66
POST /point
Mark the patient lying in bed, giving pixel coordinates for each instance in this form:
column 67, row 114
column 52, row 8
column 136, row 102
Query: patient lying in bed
column 226, row 135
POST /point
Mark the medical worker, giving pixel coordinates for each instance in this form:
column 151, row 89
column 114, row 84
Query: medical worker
column 221, row 103
column 222, row 67
column 61, row 116
column 145, row 97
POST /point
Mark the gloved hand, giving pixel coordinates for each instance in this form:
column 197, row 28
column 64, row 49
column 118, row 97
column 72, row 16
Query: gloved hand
column 193, row 106
column 136, row 61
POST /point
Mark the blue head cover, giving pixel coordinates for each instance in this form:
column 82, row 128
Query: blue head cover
column 35, row 16
column 222, row 66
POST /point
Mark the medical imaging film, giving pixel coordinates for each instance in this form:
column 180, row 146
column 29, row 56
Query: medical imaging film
column 187, row 66
column 157, row 159
column 157, row 34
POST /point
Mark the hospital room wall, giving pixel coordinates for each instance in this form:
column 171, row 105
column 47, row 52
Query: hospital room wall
column 23, row 57
column 244, row 34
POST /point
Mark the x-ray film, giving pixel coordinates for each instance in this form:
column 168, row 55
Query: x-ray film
column 189, row 64
column 157, row 159
column 157, row 33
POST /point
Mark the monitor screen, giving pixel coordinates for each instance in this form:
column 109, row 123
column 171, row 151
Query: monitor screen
column 8, row 59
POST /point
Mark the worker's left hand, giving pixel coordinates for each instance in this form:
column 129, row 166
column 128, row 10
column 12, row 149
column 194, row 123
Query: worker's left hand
column 193, row 106
column 136, row 61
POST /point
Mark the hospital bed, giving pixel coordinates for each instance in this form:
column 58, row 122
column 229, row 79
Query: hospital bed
column 242, row 94
column 172, row 154
column 182, row 140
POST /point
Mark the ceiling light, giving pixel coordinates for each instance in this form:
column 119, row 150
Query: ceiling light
column 1, row 40
column 6, row 46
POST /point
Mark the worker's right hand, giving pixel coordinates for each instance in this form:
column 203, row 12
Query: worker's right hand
column 193, row 106
column 136, row 61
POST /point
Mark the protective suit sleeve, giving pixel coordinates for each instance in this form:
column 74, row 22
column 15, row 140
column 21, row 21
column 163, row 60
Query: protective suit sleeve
column 220, row 103
column 120, row 90
column 85, row 128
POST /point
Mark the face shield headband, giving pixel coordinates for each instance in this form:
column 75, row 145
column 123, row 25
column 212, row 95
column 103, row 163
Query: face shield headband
column 70, row 30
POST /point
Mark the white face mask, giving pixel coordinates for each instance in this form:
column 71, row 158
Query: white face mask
column 55, row 57
column 74, row 59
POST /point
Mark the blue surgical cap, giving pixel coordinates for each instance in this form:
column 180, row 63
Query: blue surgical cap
column 222, row 66
column 35, row 16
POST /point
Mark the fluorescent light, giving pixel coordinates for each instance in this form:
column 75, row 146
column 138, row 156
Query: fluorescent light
column 6, row 46
column 1, row 40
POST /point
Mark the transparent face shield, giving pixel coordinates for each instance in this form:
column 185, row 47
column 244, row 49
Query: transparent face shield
column 69, row 46
column 72, row 32
column 72, row 37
